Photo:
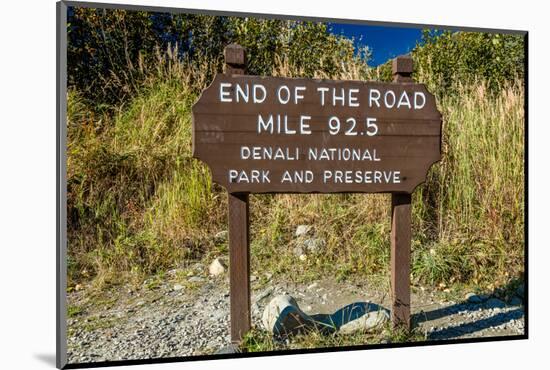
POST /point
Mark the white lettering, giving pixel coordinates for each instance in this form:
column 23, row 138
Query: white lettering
column 266, row 126
column 374, row 96
column 287, row 93
column 361, row 177
column 257, row 99
column 224, row 95
column 404, row 100
column 352, row 100
column 338, row 97
column 392, row 94
column 242, row 93
column 323, row 90
column 245, row 152
column 417, row 105
column 304, row 126
column 252, row 177
column 297, row 95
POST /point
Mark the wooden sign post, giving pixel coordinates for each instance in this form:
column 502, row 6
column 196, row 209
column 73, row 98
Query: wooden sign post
column 401, row 229
column 239, row 239
column 296, row 135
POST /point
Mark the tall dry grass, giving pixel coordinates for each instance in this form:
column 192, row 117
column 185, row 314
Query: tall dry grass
column 472, row 205
column 139, row 204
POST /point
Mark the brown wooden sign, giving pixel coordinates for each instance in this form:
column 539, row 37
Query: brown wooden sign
column 288, row 135
column 283, row 135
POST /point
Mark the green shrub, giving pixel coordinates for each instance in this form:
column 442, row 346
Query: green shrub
column 447, row 59
column 444, row 60
column 111, row 52
column 138, row 203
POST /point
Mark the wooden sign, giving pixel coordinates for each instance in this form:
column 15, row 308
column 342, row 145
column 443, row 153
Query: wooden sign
column 287, row 135
column 284, row 135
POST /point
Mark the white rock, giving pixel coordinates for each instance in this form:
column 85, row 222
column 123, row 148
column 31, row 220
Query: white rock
column 314, row 245
column 216, row 268
column 282, row 316
column 473, row 298
column 312, row 286
column 367, row 322
column 302, row 257
column 303, row 230
column 178, row 287
column 298, row 251
column 221, row 236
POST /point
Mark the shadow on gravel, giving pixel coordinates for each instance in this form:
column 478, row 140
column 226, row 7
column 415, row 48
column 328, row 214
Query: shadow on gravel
column 420, row 317
column 514, row 288
column 465, row 328
column 472, row 327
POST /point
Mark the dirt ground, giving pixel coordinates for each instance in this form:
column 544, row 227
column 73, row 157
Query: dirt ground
column 171, row 319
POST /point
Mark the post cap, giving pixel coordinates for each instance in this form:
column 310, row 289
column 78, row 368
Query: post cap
column 234, row 55
column 402, row 65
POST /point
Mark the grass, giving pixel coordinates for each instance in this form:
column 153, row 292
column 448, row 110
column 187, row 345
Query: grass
column 73, row 311
column 138, row 204
column 261, row 341
column 96, row 323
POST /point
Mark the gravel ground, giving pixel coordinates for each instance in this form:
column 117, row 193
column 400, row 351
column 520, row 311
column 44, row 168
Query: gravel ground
column 192, row 317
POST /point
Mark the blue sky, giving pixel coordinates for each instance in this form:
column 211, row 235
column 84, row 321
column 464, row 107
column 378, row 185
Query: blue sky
column 385, row 42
